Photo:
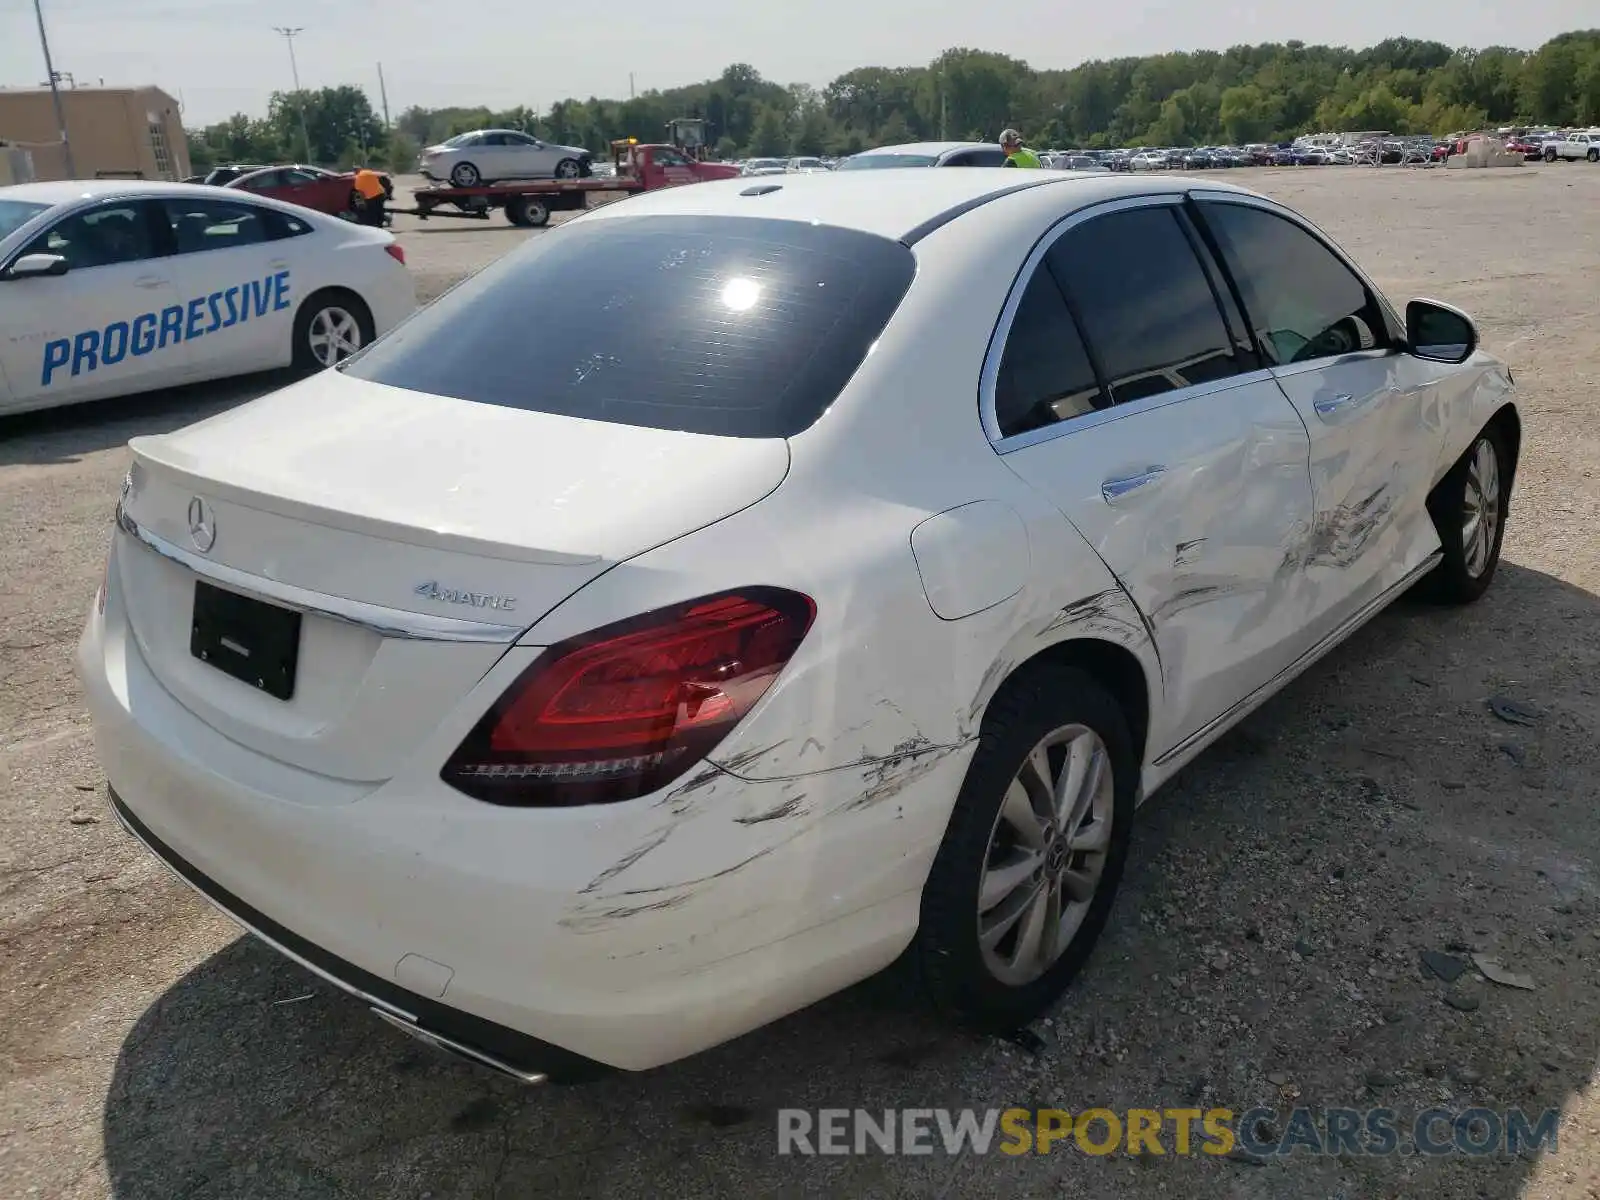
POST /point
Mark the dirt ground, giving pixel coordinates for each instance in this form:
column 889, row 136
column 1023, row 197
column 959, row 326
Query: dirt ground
column 1265, row 948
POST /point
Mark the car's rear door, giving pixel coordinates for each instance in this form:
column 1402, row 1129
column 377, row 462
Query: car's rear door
column 1123, row 386
column 236, row 282
column 104, row 328
column 1373, row 412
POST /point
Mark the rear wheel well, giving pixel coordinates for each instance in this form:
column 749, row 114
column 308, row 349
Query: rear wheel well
column 357, row 307
column 1110, row 665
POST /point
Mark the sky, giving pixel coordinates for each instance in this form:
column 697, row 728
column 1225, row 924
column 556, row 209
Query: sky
column 222, row 56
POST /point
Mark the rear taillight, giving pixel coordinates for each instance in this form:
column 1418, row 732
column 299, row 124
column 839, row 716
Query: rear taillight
column 625, row 710
column 397, row 252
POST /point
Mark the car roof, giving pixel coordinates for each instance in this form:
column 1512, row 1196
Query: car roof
column 891, row 204
column 72, row 192
column 932, row 148
column 67, row 190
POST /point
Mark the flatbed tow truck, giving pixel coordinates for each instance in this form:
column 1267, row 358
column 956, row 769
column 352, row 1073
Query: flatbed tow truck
column 529, row 203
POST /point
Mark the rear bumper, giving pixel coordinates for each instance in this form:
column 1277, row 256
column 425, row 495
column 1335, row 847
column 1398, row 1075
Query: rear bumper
column 547, row 941
column 505, row 1050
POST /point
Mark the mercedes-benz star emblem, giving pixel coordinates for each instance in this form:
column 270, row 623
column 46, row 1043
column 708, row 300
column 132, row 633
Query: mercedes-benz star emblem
column 202, row 525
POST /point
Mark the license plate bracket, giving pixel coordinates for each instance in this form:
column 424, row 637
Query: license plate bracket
column 255, row 642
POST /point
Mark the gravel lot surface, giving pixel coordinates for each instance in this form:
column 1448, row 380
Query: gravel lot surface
column 1265, row 949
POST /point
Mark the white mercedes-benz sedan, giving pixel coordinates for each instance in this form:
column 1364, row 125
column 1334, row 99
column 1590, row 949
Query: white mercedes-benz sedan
column 739, row 589
column 109, row 287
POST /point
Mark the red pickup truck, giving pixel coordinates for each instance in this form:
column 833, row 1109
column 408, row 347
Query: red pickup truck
column 637, row 168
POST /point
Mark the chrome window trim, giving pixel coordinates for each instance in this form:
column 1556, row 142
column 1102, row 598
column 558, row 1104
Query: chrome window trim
column 1397, row 323
column 376, row 618
column 1130, row 408
column 1116, row 412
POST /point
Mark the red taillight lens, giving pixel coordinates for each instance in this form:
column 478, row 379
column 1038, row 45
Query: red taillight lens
column 397, row 252
column 625, row 710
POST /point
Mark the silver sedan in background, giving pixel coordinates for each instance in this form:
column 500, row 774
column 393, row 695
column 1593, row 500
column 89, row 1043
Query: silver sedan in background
column 488, row 155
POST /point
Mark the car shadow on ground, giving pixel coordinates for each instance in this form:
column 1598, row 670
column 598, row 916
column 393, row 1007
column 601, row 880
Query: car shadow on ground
column 1266, row 950
column 57, row 435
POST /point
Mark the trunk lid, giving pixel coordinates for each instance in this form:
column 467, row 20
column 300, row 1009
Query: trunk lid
column 420, row 534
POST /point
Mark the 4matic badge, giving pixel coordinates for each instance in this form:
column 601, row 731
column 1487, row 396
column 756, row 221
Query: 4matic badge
column 432, row 591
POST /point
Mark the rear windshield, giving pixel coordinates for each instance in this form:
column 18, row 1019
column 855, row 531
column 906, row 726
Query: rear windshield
column 14, row 214
column 737, row 326
column 868, row 162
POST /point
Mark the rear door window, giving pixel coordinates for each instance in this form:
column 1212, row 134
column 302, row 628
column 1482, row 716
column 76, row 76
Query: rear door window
column 199, row 225
column 1148, row 308
column 984, row 158
column 741, row 327
column 1045, row 374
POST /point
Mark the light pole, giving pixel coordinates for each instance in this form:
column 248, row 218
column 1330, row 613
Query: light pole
column 288, row 34
column 55, row 92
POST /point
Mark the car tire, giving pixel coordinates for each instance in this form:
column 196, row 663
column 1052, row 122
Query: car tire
column 1593, row 155
column 465, row 175
column 330, row 316
column 529, row 212
column 1477, row 489
column 569, row 168
column 1550, row 154
column 986, row 979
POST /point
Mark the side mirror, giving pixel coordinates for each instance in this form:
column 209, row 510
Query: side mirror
column 31, row 266
column 1439, row 332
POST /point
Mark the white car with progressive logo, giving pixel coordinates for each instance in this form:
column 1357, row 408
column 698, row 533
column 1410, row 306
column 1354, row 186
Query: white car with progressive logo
column 112, row 287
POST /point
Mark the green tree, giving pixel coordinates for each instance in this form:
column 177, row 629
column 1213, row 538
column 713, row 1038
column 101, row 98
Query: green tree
column 770, row 137
column 334, row 119
column 1247, row 114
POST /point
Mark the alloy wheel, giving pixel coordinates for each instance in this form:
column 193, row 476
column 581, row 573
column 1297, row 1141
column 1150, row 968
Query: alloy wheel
column 1480, row 518
column 1047, row 853
column 333, row 335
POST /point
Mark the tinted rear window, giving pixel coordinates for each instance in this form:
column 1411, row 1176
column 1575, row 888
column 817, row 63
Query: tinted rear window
column 738, row 326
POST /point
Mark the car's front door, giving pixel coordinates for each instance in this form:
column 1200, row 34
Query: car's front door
column 501, row 158
column 1126, row 390
column 527, row 157
column 674, row 166
column 103, row 328
column 1373, row 411
column 235, row 282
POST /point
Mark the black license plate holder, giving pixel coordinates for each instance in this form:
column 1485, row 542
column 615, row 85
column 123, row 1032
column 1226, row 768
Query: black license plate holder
column 255, row 642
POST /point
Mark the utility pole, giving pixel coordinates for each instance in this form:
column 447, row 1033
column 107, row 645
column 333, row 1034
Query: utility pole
column 383, row 94
column 289, row 34
column 631, row 92
column 55, row 93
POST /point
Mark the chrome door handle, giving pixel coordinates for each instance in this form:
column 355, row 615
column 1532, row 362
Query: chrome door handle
column 1114, row 489
column 150, row 281
column 1326, row 406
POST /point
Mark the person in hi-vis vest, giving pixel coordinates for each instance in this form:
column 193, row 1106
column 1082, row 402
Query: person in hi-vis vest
column 1017, row 155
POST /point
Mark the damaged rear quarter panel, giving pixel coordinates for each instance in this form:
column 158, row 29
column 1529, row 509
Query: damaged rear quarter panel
column 722, row 865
